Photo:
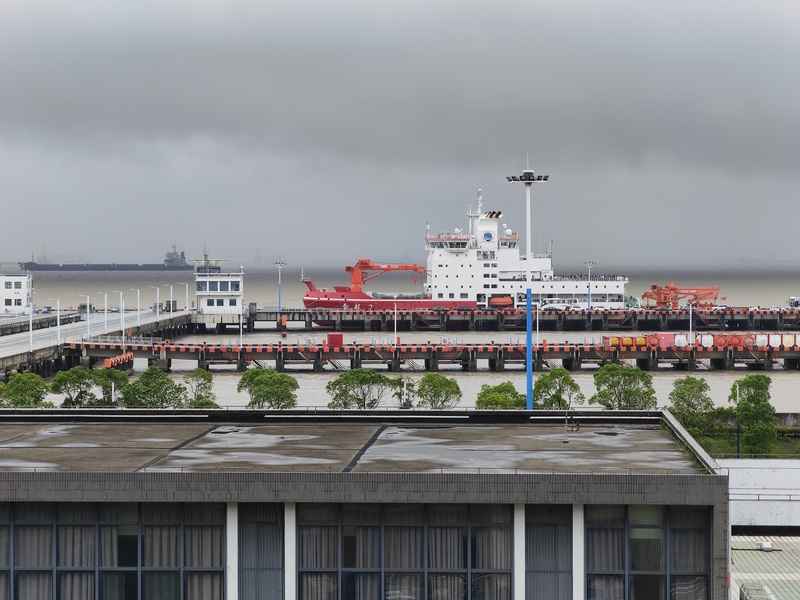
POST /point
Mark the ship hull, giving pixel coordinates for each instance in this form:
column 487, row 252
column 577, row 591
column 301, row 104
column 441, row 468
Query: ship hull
column 321, row 299
column 102, row 267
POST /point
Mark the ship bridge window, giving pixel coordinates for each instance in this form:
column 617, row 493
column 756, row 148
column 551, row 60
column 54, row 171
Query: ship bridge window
column 451, row 295
column 213, row 286
column 234, row 286
column 220, row 302
column 8, row 285
column 232, row 302
column 8, row 301
column 223, row 286
column 210, row 302
column 464, row 295
column 441, row 295
column 202, row 286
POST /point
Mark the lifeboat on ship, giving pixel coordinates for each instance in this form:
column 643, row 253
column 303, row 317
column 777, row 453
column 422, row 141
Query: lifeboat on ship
column 355, row 298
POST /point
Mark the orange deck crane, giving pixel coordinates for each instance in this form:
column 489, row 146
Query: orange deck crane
column 366, row 269
column 670, row 295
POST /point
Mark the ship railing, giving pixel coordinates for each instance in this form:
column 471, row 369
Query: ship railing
column 118, row 339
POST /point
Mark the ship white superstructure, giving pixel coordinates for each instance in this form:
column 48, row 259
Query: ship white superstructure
column 483, row 264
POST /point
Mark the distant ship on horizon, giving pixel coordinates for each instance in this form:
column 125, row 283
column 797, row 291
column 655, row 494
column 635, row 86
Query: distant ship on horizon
column 173, row 261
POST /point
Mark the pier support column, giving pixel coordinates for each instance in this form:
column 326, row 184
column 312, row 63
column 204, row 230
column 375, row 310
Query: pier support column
column 290, row 551
column 318, row 362
column 791, row 364
column 432, row 362
column 355, row 360
column 280, row 361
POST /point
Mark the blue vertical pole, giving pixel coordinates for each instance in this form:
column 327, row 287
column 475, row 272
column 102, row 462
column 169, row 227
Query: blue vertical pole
column 529, row 351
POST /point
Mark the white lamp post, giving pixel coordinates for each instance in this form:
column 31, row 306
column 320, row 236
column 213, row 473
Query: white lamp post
column 589, row 265
column 138, row 305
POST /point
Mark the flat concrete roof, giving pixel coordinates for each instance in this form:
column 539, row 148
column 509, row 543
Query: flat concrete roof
column 329, row 446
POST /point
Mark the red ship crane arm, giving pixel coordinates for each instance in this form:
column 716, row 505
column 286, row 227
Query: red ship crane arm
column 365, row 269
column 670, row 295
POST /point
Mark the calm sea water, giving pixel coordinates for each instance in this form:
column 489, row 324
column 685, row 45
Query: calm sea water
column 747, row 289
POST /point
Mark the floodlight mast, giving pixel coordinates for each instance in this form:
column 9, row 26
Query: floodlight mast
column 528, row 178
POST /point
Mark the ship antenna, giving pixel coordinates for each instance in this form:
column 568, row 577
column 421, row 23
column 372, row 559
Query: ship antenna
column 480, row 201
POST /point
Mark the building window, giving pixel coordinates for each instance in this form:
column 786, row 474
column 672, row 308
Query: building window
column 354, row 551
column 67, row 550
column 223, row 286
column 548, row 552
column 213, row 286
column 234, row 286
column 9, row 302
column 202, row 286
column 18, row 302
column 260, row 551
column 210, row 302
column 627, row 548
column 451, row 295
column 220, row 302
column 441, row 295
column 232, row 302
column 463, row 295
column 17, row 285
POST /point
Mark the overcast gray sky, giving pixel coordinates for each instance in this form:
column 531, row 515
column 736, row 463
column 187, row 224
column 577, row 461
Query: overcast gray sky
column 324, row 131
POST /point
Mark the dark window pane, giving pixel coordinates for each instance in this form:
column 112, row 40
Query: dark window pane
column 647, row 549
column 548, row 514
column 689, row 588
column 76, row 546
column 77, row 512
column 317, row 547
column 605, row 550
column 34, row 547
column 260, row 584
column 119, row 586
column 161, row 586
column 34, row 586
column 204, row 586
column 5, row 512
column 606, row 587
column 361, row 586
column 161, row 513
column 317, row 513
column 404, row 587
column 447, row 548
column 204, row 547
column 646, row 515
column 404, row 548
column 605, row 517
column 689, row 549
column 491, row 514
column 260, row 546
column 260, row 512
column 404, row 514
column 34, row 512
column 360, row 547
column 492, row 548
column 160, row 548
column 491, row 587
column 119, row 546
column 317, row 586
column 4, row 548
column 76, row 586
column 447, row 587
column 361, row 514
column 548, row 548
column 689, row 517
column 448, row 514
column 5, row 587
column 548, row 586
column 119, row 513
column 647, row 587
column 206, row 513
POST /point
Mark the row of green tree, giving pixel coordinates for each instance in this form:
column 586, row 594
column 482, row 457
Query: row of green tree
column 95, row 388
column 617, row 387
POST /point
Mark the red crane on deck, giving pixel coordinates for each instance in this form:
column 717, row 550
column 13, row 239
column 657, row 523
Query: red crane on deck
column 670, row 295
column 365, row 269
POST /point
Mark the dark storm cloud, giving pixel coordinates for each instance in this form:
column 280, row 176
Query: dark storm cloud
column 326, row 130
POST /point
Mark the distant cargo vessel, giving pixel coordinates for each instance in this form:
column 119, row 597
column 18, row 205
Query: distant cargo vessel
column 478, row 268
column 173, row 261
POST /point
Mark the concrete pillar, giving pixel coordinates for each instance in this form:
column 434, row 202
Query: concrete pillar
column 232, row 552
column 578, row 553
column 519, row 552
column 289, row 551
